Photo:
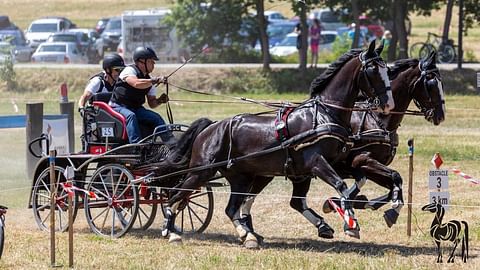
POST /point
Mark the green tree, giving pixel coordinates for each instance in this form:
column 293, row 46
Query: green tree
column 216, row 24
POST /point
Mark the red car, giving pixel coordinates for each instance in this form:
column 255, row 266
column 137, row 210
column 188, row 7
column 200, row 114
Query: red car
column 373, row 27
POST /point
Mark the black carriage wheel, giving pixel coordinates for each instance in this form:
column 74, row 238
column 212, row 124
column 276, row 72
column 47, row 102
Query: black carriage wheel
column 195, row 212
column 146, row 211
column 112, row 207
column 41, row 201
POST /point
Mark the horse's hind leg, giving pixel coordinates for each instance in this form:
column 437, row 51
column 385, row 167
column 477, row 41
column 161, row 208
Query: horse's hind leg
column 301, row 186
column 451, row 259
column 385, row 177
column 192, row 182
column 259, row 183
column 321, row 168
column 239, row 186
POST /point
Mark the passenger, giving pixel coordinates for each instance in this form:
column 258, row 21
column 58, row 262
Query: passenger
column 104, row 81
column 133, row 86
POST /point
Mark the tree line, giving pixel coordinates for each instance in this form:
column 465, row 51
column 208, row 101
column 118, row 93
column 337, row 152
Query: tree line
column 227, row 25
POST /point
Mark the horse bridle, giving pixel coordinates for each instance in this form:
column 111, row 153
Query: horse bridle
column 428, row 113
column 378, row 99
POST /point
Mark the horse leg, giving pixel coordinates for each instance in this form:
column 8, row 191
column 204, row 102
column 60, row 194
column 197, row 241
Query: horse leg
column 192, row 182
column 385, row 177
column 259, row 183
column 239, row 186
column 439, row 250
column 451, row 259
column 301, row 186
column 321, row 168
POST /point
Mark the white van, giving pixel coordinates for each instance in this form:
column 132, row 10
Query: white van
column 145, row 28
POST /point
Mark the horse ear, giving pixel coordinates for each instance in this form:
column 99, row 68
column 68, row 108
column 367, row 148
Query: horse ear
column 380, row 48
column 371, row 47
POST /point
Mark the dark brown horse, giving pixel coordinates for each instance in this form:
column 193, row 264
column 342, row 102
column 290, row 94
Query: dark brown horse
column 375, row 143
column 244, row 148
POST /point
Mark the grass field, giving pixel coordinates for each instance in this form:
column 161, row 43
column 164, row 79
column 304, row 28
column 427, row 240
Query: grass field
column 290, row 241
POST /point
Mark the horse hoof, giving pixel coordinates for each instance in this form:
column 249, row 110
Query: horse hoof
column 251, row 241
column 175, row 239
column 165, row 233
column 390, row 216
column 353, row 233
column 325, row 231
column 327, row 208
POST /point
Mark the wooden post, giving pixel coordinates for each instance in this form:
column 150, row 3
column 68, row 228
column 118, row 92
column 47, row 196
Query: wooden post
column 69, row 173
column 67, row 108
column 53, row 191
column 34, row 126
column 410, row 186
column 70, row 230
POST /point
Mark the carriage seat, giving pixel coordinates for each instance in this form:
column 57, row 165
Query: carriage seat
column 108, row 118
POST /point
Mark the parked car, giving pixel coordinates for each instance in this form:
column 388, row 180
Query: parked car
column 101, row 25
column 110, row 37
column 15, row 37
column 6, row 52
column 276, row 32
column 88, row 38
column 59, row 52
column 289, row 44
column 39, row 30
column 329, row 19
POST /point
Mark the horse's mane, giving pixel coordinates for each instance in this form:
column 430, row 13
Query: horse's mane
column 399, row 66
column 322, row 80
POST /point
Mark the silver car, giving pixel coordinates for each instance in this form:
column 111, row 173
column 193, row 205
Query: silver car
column 59, row 52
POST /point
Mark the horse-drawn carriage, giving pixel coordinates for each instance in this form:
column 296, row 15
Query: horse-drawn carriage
column 110, row 179
column 117, row 180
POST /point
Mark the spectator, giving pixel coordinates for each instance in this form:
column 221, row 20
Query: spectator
column 315, row 36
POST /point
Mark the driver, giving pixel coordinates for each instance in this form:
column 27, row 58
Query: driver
column 104, row 81
column 133, row 86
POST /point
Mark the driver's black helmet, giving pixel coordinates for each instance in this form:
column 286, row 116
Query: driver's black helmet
column 144, row 53
column 112, row 61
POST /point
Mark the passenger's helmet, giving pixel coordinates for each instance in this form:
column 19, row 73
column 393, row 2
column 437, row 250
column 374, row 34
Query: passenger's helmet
column 112, row 61
column 144, row 53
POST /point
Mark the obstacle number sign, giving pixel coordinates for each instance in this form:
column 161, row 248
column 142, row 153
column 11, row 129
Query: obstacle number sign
column 441, row 197
column 438, row 179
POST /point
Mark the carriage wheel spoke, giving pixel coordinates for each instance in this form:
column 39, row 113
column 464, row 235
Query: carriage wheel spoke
column 103, row 183
column 46, row 217
column 44, row 184
column 42, row 207
column 190, row 209
column 118, row 182
column 99, row 192
column 99, row 214
column 199, row 205
column 190, row 216
column 195, row 195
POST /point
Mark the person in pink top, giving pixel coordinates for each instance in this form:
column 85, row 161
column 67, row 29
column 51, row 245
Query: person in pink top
column 315, row 31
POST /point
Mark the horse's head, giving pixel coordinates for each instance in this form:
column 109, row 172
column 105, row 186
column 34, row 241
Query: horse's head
column 374, row 81
column 431, row 207
column 428, row 91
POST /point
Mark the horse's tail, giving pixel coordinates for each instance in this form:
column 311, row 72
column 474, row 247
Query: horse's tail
column 180, row 156
column 465, row 241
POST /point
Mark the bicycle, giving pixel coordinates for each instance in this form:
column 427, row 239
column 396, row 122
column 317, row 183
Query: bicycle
column 446, row 50
column 3, row 211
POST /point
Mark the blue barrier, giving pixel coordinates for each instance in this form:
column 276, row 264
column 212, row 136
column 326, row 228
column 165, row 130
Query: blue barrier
column 20, row 121
column 13, row 121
